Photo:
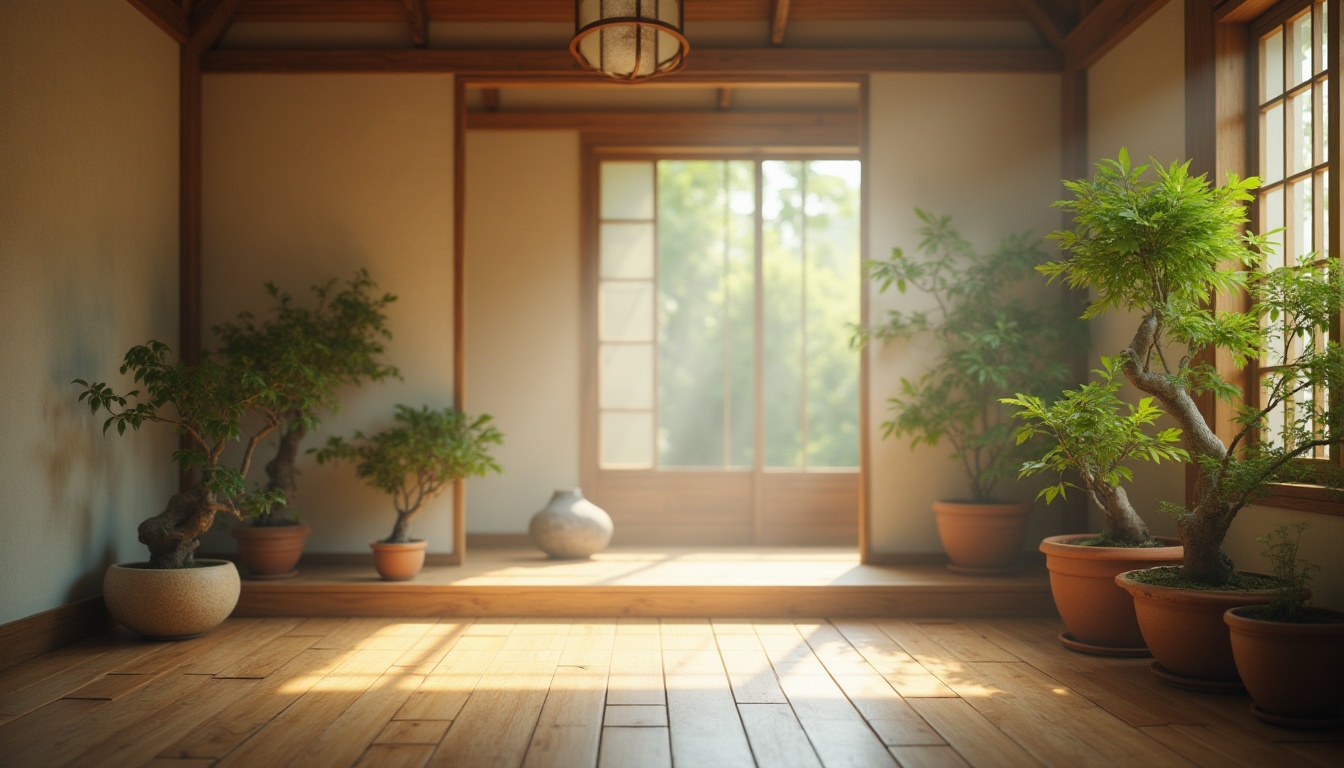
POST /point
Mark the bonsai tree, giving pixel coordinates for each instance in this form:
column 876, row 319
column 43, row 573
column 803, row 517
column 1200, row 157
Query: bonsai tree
column 991, row 344
column 308, row 353
column 208, row 405
column 1164, row 247
column 1090, row 431
column 418, row 458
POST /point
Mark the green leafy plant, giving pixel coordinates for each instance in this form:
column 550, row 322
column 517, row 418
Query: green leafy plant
column 1090, row 431
column 308, row 353
column 990, row 343
column 208, row 405
column 1293, row 573
column 419, row 458
column 1164, row 246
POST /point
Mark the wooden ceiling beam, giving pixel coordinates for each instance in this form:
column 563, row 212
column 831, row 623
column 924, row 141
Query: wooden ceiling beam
column 167, row 16
column 210, row 19
column 705, row 64
column 1102, row 29
column 563, row 10
column 418, row 18
column 780, row 22
column 830, row 129
column 1045, row 22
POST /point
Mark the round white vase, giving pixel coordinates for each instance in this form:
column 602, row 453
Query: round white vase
column 570, row 527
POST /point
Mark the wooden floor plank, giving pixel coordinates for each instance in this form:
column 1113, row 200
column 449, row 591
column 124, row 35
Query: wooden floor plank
column 496, row 723
column 291, row 731
column 777, row 738
column 907, row 676
column 570, row 725
column 45, row 738
column 928, row 757
column 142, row 741
column 267, row 699
column 355, row 729
column 635, row 748
column 396, row 756
column 973, row 736
column 545, row 692
column 704, row 725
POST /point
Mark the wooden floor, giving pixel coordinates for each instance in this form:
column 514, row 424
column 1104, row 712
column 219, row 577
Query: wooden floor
column 652, row 582
column 621, row 692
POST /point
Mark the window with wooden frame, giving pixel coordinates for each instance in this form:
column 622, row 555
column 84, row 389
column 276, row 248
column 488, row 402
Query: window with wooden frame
column 1294, row 141
column 726, row 291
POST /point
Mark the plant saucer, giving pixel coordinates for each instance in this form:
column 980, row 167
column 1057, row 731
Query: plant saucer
column 1300, row 723
column 1195, row 683
column 1074, row 644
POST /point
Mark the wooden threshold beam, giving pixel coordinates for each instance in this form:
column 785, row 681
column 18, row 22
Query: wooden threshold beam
column 1103, row 29
column 167, row 16
column 801, row 129
column 702, row 64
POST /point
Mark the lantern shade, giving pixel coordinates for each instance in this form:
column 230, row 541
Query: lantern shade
column 629, row 40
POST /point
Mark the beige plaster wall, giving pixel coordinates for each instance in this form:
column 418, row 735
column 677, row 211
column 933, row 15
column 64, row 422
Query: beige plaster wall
column 523, row 317
column 312, row 177
column 1137, row 100
column 985, row 149
column 88, row 244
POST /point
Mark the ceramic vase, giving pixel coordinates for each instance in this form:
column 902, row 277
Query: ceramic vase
column 570, row 527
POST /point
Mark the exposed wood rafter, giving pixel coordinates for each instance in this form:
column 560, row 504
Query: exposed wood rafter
column 418, row 18
column 779, row 22
column 1240, row 10
column 167, row 16
column 1102, row 29
column 210, row 19
column 1043, row 18
column 709, row 64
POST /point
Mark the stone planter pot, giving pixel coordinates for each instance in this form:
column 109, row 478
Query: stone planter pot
column 1099, row 614
column 399, row 562
column 1294, row 672
column 982, row 539
column 1185, row 631
column 174, row 603
column 270, row 551
column 570, row 527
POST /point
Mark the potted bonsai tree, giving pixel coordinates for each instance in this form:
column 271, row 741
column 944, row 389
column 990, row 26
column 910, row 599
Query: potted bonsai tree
column 1290, row 656
column 1090, row 432
column 210, row 405
column 1163, row 247
column 990, row 344
column 308, row 353
column 414, row 461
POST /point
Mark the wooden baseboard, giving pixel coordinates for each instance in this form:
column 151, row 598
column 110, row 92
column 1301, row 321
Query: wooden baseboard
column 411, row 600
column 30, row 637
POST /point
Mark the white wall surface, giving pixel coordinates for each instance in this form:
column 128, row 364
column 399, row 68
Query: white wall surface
column 985, row 149
column 523, row 317
column 311, row 177
column 88, row 244
column 1136, row 100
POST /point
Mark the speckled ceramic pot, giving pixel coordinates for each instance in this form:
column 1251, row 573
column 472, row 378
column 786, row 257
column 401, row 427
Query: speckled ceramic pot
column 171, row 604
column 570, row 527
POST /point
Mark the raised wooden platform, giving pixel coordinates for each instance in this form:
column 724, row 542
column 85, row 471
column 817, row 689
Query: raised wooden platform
column 668, row 582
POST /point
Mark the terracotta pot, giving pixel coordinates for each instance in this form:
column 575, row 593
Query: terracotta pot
column 1293, row 671
column 270, row 551
column 1185, row 631
column 399, row 562
column 171, row 603
column 1094, row 608
column 982, row 539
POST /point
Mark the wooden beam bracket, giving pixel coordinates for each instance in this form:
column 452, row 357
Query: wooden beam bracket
column 167, row 16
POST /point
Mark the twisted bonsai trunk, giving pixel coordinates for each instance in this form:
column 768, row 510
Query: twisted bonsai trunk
column 402, row 527
column 281, row 474
column 171, row 535
column 1123, row 525
column 1202, row 528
